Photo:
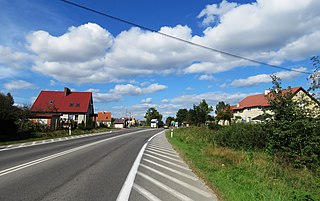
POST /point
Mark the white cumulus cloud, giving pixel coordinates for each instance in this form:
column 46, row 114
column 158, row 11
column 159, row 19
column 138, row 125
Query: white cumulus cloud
column 270, row 31
column 213, row 12
column 129, row 89
column 19, row 85
column 147, row 100
column 265, row 78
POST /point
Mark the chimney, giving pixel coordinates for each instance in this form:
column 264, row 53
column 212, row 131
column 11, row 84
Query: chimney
column 266, row 92
column 238, row 105
column 67, row 91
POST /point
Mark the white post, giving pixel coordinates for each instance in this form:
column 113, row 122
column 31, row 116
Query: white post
column 171, row 133
column 70, row 130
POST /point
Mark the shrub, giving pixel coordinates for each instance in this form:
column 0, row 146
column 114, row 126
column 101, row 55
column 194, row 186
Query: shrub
column 242, row 136
column 214, row 126
column 297, row 142
column 195, row 135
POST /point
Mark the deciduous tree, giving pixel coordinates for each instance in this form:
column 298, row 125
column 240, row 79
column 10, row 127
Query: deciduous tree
column 152, row 113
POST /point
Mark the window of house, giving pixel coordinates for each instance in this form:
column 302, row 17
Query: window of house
column 77, row 104
column 249, row 109
column 71, row 104
column 51, row 101
column 106, row 117
column 76, row 117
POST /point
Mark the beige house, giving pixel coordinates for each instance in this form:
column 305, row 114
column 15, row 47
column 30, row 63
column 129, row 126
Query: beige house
column 256, row 108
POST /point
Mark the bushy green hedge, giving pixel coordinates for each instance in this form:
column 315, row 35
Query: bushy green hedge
column 242, row 136
column 292, row 142
column 195, row 135
column 297, row 142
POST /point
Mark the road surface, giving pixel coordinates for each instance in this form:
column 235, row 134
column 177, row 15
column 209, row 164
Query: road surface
column 122, row 165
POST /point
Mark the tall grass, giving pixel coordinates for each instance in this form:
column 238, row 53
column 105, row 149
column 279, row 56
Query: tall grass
column 242, row 174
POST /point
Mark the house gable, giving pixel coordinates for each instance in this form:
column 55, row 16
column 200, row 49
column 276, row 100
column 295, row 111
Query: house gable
column 63, row 102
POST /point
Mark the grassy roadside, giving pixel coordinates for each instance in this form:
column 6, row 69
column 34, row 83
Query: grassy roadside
column 55, row 134
column 238, row 175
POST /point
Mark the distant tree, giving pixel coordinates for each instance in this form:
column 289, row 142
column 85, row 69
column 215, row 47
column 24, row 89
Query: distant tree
column 314, row 78
column 8, row 115
column 169, row 120
column 182, row 115
column 200, row 113
column 223, row 112
column 152, row 113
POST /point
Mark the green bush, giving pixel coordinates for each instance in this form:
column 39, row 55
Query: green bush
column 195, row 135
column 242, row 136
column 214, row 126
column 297, row 142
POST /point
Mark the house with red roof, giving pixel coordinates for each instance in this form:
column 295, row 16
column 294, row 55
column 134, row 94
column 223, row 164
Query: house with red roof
column 256, row 108
column 104, row 118
column 55, row 107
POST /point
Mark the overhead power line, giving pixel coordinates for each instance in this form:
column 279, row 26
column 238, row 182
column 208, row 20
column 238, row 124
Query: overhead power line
column 181, row 39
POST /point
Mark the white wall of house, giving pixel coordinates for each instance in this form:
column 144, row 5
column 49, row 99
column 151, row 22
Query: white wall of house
column 118, row 125
column 248, row 114
column 305, row 101
column 76, row 117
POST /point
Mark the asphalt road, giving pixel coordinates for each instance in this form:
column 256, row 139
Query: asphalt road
column 90, row 168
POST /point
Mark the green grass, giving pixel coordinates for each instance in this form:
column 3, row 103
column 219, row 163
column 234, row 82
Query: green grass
column 55, row 134
column 238, row 175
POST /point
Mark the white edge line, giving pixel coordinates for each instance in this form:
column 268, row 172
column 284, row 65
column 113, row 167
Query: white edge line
column 127, row 186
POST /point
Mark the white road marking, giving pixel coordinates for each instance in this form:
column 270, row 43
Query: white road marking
column 21, row 145
column 37, row 161
column 161, row 148
column 181, row 183
column 162, row 152
column 176, row 165
column 164, row 156
column 145, row 193
column 165, row 187
column 172, row 170
column 127, row 186
column 173, row 153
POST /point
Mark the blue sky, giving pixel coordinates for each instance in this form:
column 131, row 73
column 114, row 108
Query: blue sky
column 48, row 45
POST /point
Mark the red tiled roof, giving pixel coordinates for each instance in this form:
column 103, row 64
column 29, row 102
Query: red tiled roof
column 258, row 100
column 104, row 116
column 56, row 101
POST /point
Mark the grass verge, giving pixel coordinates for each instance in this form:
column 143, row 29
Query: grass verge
column 54, row 134
column 239, row 175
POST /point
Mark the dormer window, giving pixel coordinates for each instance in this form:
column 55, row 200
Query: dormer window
column 51, row 101
column 77, row 104
column 71, row 104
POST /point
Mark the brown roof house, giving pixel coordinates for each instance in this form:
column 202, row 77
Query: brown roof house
column 104, row 118
column 120, row 123
column 256, row 108
column 54, row 107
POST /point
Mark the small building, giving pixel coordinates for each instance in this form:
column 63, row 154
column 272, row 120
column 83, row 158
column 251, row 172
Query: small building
column 119, row 123
column 104, row 118
column 68, row 105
